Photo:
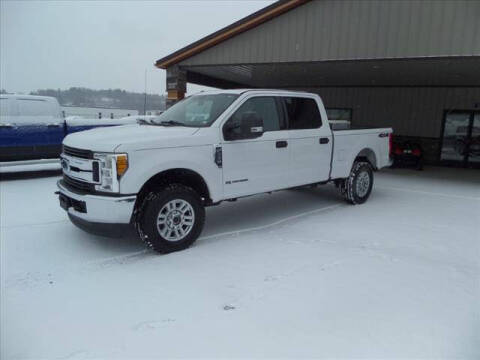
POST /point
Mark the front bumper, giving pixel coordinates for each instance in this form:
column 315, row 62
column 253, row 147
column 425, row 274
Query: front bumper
column 96, row 208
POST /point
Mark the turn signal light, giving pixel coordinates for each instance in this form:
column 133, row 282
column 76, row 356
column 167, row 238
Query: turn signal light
column 122, row 165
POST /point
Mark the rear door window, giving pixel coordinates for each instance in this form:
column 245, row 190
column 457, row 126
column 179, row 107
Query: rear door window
column 302, row 113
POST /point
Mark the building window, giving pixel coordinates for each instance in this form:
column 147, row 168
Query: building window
column 339, row 114
column 339, row 119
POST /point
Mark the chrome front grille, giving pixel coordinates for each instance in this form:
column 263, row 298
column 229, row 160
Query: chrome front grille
column 79, row 167
column 79, row 153
column 75, row 184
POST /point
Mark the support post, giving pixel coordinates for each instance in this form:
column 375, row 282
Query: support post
column 176, row 85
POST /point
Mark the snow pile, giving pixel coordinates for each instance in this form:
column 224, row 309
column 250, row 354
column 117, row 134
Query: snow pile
column 29, row 166
column 293, row 274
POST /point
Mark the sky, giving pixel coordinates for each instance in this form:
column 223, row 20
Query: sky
column 103, row 44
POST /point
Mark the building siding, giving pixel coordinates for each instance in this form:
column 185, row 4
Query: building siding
column 323, row 30
column 413, row 112
column 410, row 111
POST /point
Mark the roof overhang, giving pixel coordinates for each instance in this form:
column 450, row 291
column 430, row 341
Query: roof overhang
column 446, row 71
column 236, row 28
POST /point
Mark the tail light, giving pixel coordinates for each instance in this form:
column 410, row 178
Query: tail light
column 390, row 144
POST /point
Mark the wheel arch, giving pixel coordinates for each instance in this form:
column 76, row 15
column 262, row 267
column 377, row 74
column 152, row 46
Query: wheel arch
column 368, row 155
column 182, row 176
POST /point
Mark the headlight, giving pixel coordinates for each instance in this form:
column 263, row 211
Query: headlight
column 112, row 167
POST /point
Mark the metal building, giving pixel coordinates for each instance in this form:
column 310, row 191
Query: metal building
column 410, row 64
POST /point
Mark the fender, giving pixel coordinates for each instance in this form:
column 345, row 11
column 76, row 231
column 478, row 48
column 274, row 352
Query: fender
column 370, row 155
column 143, row 165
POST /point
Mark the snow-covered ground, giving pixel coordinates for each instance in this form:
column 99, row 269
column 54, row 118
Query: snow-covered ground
column 293, row 274
column 15, row 167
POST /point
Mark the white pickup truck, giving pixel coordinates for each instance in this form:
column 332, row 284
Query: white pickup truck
column 158, row 176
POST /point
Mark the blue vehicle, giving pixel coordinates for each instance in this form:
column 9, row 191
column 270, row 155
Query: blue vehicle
column 32, row 127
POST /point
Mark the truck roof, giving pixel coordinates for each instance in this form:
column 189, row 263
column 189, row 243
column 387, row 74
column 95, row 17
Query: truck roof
column 242, row 91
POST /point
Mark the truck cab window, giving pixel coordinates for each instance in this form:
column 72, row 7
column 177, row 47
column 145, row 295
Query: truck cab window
column 27, row 107
column 262, row 107
column 4, row 107
column 302, row 113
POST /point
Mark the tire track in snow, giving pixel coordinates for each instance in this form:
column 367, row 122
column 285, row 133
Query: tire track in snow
column 33, row 224
column 264, row 288
column 429, row 193
column 267, row 226
column 25, row 278
column 136, row 254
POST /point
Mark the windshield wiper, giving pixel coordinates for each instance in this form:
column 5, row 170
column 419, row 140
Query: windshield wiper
column 144, row 122
column 171, row 123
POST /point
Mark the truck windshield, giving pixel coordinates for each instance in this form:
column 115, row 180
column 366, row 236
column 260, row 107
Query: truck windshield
column 196, row 111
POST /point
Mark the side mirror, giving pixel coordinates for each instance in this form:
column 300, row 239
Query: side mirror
column 251, row 125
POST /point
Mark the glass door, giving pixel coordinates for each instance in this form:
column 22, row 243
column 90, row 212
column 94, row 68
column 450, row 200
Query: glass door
column 461, row 138
column 474, row 148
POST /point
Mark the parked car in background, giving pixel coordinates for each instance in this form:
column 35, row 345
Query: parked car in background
column 32, row 127
column 407, row 154
column 159, row 175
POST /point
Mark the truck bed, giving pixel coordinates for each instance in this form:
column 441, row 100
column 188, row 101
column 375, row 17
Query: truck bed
column 360, row 130
column 372, row 142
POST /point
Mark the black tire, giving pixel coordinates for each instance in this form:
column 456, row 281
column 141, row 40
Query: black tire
column 349, row 188
column 419, row 165
column 149, row 211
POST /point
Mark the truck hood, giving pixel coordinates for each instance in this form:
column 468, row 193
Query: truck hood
column 128, row 137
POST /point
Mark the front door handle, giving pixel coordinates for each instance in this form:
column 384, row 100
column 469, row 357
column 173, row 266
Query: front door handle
column 6, row 126
column 324, row 140
column 53, row 125
column 281, row 144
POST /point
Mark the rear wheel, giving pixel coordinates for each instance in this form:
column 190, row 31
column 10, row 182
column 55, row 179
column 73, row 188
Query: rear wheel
column 170, row 219
column 357, row 187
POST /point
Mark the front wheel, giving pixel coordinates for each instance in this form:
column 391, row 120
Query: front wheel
column 357, row 187
column 170, row 219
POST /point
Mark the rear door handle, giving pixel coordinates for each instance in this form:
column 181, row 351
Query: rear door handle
column 324, row 140
column 6, row 126
column 53, row 125
column 281, row 144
